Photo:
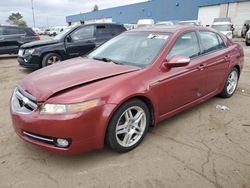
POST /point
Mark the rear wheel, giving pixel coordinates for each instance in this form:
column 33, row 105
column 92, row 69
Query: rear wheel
column 231, row 83
column 50, row 59
column 128, row 126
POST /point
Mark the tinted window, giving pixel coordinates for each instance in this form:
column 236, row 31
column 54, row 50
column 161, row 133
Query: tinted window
column 83, row 33
column 210, row 41
column 186, row 45
column 11, row 31
column 102, row 30
column 1, row 30
column 116, row 29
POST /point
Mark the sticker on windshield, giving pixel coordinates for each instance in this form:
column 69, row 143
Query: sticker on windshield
column 157, row 36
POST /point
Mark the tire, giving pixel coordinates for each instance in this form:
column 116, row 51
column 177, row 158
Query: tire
column 123, row 133
column 247, row 43
column 231, row 84
column 51, row 56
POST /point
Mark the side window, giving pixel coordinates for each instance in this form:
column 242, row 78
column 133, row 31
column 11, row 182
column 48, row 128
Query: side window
column 21, row 31
column 83, row 33
column 221, row 42
column 187, row 44
column 1, row 30
column 103, row 31
column 116, row 30
column 11, row 31
column 209, row 41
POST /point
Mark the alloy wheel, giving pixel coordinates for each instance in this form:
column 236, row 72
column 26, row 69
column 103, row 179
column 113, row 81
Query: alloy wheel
column 232, row 82
column 130, row 126
column 53, row 60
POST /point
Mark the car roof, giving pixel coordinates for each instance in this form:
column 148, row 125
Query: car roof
column 172, row 28
column 100, row 24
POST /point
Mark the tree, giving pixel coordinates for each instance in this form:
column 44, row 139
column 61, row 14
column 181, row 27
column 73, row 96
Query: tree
column 96, row 8
column 16, row 19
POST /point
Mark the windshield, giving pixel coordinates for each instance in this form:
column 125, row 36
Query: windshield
column 135, row 48
column 222, row 27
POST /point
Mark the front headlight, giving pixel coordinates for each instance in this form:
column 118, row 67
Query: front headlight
column 69, row 108
column 30, row 51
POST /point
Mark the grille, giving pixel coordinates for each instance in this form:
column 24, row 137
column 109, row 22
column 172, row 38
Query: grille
column 23, row 102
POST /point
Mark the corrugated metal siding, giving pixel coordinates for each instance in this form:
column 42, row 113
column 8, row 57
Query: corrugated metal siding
column 158, row 10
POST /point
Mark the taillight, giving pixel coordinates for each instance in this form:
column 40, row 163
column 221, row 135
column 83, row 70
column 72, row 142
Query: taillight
column 38, row 37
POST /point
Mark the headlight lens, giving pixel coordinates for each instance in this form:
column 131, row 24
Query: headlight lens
column 69, row 108
column 30, row 51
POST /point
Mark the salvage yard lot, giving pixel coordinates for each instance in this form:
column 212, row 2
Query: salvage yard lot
column 201, row 147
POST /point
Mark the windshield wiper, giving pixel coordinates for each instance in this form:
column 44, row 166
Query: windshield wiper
column 108, row 60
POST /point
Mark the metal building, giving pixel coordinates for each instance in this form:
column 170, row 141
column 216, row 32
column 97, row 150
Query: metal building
column 162, row 10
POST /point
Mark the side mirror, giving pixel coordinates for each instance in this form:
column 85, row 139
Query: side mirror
column 177, row 61
column 68, row 38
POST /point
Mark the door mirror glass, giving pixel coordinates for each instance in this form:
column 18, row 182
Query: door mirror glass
column 177, row 61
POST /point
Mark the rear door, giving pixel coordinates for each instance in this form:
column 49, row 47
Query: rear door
column 81, row 41
column 217, row 57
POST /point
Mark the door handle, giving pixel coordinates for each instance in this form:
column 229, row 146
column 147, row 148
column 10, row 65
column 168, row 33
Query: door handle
column 227, row 58
column 202, row 67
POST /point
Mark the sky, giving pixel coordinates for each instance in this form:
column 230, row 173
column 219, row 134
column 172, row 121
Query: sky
column 53, row 12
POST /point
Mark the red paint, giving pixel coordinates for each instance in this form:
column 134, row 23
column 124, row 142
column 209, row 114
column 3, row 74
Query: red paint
column 170, row 90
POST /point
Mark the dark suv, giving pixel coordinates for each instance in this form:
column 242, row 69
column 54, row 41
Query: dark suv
column 70, row 43
column 12, row 37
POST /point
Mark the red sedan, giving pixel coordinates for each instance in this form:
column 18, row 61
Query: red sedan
column 120, row 89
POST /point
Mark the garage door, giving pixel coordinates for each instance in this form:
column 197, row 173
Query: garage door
column 207, row 14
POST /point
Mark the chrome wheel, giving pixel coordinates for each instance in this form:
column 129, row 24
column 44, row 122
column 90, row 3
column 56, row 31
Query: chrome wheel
column 53, row 60
column 232, row 82
column 131, row 126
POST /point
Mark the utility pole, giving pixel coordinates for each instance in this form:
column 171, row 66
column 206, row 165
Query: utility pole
column 32, row 7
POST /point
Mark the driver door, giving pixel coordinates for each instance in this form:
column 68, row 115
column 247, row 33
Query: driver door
column 180, row 86
column 80, row 42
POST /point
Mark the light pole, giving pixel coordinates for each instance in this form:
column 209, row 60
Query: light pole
column 32, row 7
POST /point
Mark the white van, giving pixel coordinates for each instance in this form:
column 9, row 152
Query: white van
column 224, row 27
column 145, row 23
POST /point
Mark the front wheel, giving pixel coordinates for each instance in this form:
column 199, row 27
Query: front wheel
column 231, row 84
column 128, row 126
column 50, row 59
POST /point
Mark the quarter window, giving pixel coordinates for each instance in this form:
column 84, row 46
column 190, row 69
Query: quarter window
column 83, row 33
column 186, row 45
column 209, row 41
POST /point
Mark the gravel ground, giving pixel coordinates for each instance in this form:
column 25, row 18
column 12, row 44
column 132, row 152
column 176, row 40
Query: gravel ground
column 201, row 147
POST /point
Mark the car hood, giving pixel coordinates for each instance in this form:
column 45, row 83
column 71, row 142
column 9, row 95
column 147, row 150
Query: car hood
column 39, row 43
column 79, row 71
